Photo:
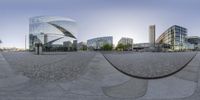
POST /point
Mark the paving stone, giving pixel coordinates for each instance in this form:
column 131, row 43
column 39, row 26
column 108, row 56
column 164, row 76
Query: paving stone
column 134, row 88
column 97, row 80
column 170, row 87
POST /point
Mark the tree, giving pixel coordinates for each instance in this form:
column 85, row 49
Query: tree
column 123, row 47
column 107, row 47
column 120, row 47
column 127, row 47
column 84, row 47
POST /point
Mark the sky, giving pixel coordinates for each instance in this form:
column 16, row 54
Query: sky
column 96, row 18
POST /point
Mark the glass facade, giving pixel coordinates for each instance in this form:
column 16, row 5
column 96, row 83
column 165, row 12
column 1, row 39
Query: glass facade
column 51, row 31
column 193, row 42
column 175, row 36
column 97, row 43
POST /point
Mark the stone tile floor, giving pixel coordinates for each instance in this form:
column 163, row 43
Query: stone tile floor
column 98, row 80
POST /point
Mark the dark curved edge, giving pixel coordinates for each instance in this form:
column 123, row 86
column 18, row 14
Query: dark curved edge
column 63, row 30
column 140, row 77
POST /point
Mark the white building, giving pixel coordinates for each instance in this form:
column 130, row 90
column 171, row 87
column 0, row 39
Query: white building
column 126, row 41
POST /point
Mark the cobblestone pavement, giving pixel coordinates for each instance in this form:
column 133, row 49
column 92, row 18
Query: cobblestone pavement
column 49, row 67
column 93, row 79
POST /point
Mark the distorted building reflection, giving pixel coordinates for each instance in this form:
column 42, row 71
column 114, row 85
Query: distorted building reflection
column 52, row 32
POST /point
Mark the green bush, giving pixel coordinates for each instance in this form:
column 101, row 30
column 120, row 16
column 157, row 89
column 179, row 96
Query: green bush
column 123, row 47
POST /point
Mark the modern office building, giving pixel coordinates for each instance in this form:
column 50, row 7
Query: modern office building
column 175, row 36
column 141, row 46
column 126, row 41
column 51, row 31
column 98, row 43
column 152, row 34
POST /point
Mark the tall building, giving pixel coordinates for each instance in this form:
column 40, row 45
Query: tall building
column 175, row 36
column 51, row 31
column 98, row 43
column 152, row 34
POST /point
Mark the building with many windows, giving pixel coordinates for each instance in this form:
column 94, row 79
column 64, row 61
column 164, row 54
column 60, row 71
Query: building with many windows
column 152, row 34
column 52, row 32
column 127, row 42
column 175, row 36
column 99, row 42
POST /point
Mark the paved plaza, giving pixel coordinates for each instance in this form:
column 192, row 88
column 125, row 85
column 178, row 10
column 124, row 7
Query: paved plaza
column 149, row 65
column 90, row 76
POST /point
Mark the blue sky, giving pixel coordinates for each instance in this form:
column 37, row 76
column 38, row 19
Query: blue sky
column 117, row 18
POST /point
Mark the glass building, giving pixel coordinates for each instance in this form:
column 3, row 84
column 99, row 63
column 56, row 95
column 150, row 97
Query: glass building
column 193, row 42
column 51, row 31
column 175, row 36
column 97, row 43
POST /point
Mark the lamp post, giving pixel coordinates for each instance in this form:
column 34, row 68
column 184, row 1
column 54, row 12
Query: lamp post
column 25, row 42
